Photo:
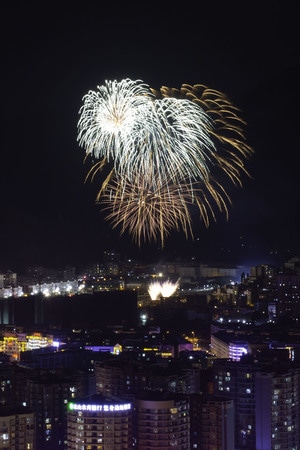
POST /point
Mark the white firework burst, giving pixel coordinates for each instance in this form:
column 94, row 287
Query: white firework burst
column 109, row 118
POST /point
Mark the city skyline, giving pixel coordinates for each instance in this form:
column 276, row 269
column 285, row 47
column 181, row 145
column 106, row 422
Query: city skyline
column 49, row 216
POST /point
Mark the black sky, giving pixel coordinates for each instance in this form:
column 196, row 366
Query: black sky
column 52, row 55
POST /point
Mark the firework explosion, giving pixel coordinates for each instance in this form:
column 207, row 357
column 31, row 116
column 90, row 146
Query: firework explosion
column 154, row 290
column 166, row 151
column 150, row 211
column 165, row 289
column 110, row 121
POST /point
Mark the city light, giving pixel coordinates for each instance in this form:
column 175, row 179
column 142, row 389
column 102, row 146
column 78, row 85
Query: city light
column 99, row 407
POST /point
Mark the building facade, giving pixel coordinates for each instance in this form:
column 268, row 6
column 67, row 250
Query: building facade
column 100, row 422
column 277, row 410
column 17, row 429
column 162, row 422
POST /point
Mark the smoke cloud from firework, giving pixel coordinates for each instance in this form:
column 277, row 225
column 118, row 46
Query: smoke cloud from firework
column 165, row 151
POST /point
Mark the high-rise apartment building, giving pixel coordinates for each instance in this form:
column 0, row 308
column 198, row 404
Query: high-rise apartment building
column 235, row 380
column 48, row 396
column 100, row 422
column 217, row 424
column 17, row 429
column 162, row 422
column 277, row 409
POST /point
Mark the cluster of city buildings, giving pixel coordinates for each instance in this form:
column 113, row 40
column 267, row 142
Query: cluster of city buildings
column 214, row 364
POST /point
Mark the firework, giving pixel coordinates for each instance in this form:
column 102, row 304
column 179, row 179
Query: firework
column 154, row 290
column 165, row 139
column 150, row 211
column 169, row 288
column 169, row 149
column 172, row 144
column 165, row 289
column 110, row 117
column 227, row 131
column 147, row 211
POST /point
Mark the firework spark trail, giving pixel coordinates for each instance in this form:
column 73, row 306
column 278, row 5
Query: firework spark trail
column 154, row 290
column 175, row 144
column 147, row 212
column 122, row 122
column 165, row 289
column 168, row 148
column 227, row 132
column 150, row 212
column 110, row 118
column 169, row 288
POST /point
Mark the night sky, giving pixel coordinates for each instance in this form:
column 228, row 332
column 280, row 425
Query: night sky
column 52, row 55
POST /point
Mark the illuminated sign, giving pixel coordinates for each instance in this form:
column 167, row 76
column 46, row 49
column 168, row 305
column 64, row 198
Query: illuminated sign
column 99, row 408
